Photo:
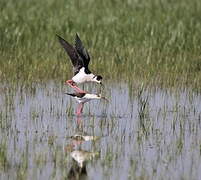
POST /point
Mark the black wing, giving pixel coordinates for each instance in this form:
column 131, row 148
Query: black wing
column 80, row 95
column 73, row 54
column 82, row 51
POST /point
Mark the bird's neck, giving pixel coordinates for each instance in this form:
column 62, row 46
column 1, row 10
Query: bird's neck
column 91, row 77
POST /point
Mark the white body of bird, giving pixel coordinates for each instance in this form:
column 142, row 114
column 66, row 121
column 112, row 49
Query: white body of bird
column 87, row 97
column 82, row 77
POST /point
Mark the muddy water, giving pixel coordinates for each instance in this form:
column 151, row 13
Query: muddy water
column 139, row 134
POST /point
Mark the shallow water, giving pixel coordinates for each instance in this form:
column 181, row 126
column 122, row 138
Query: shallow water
column 141, row 134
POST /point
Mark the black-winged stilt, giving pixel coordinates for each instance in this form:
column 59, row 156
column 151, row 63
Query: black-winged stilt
column 83, row 98
column 80, row 60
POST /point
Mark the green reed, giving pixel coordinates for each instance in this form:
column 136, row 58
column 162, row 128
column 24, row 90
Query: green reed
column 154, row 41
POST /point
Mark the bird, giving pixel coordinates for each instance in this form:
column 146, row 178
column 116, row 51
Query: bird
column 80, row 60
column 82, row 98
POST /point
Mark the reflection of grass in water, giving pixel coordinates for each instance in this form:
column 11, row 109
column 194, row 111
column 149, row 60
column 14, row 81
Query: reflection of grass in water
column 69, row 110
column 149, row 40
column 22, row 169
column 4, row 164
column 143, row 114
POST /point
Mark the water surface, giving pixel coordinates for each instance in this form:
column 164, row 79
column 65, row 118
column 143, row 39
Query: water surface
column 142, row 133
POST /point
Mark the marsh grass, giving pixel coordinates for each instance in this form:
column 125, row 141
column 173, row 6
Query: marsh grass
column 154, row 41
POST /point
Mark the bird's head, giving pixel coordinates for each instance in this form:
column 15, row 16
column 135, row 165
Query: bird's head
column 98, row 79
column 102, row 97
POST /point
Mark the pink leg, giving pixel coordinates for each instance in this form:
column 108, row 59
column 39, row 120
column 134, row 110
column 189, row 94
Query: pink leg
column 79, row 109
column 72, row 84
column 79, row 120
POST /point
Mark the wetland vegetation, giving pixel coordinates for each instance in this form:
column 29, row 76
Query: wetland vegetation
column 149, row 53
column 154, row 41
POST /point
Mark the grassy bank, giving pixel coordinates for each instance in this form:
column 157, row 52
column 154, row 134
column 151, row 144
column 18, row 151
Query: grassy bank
column 151, row 41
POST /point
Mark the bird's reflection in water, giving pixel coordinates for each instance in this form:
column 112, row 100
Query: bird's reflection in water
column 76, row 172
column 84, row 137
column 79, row 122
column 80, row 157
